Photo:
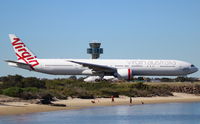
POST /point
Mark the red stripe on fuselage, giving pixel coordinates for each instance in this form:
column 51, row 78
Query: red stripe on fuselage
column 129, row 74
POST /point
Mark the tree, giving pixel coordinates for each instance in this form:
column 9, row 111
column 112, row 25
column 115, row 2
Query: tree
column 11, row 81
column 72, row 77
column 33, row 82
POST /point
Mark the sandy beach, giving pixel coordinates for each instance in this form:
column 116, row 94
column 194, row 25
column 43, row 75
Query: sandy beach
column 13, row 108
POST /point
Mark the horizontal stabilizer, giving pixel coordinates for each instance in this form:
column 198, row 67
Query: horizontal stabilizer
column 20, row 65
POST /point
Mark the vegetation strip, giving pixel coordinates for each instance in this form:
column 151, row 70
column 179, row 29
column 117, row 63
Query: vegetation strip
column 34, row 88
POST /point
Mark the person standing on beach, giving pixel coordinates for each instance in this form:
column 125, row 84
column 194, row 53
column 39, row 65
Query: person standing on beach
column 131, row 100
column 112, row 97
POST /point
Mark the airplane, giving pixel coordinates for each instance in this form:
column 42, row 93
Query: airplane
column 119, row 68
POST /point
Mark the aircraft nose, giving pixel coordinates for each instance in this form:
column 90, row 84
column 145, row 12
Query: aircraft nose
column 194, row 69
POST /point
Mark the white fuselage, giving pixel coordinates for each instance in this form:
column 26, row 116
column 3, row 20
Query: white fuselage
column 123, row 69
column 138, row 67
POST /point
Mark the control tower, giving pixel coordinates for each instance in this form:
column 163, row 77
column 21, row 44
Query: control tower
column 95, row 50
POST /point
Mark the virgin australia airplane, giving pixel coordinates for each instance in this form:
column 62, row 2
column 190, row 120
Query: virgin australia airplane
column 121, row 69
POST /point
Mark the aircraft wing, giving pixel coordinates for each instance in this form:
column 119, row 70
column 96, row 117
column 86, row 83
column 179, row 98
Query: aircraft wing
column 19, row 64
column 96, row 67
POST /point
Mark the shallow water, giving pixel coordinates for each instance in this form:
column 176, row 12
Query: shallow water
column 176, row 113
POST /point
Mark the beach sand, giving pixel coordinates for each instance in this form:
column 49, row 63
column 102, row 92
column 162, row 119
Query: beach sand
column 13, row 108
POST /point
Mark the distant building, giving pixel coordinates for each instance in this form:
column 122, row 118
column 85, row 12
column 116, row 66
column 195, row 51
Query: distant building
column 95, row 50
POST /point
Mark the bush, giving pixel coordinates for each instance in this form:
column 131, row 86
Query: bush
column 140, row 86
column 108, row 92
column 30, row 93
column 24, row 93
column 13, row 91
column 139, row 93
column 85, row 96
column 31, row 89
column 11, row 81
column 82, row 93
column 33, row 82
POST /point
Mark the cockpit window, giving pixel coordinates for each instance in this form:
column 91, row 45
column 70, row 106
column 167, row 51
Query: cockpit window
column 192, row 65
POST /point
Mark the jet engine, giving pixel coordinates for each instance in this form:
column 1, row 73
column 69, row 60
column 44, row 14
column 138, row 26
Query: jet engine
column 124, row 74
column 92, row 78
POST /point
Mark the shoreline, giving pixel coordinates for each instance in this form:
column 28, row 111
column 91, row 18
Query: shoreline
column 16, row 108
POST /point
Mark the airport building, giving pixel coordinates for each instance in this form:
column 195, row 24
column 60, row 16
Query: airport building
column 95, row 50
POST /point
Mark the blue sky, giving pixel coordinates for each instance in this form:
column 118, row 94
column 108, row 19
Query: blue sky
column 128, row 29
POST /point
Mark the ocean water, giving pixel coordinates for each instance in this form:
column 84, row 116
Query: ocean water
column 170, row 113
